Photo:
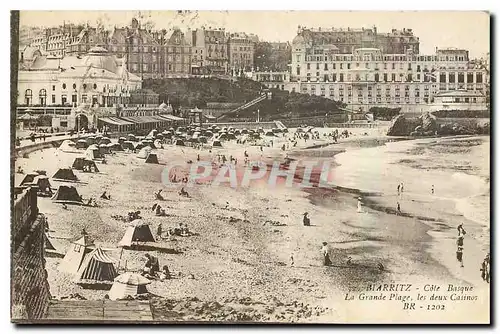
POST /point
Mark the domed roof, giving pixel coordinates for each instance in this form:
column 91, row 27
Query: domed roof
column 99, row 57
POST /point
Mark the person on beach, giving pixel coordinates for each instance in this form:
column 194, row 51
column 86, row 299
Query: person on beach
column 399, row 209
column 292, row 262
column 326, row 254
column 461, row 231
column 359, row 205
column 159, row 196
column 306, row 221
column 432, row 189
column 402, row 186
column 165, row 273
column 159, row 231
column 485, row 268
column 399, row 188
column 460, row 252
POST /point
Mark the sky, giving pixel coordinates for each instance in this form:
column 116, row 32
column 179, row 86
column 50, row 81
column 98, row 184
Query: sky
column 461, row 29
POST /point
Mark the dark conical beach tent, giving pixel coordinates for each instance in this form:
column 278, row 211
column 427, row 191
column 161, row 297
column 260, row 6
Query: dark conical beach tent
column 104, row 140
column 179, row 142
column 121, row 140
column 138, row 231
column 139, row 146
column 152, row 158
column 131, row 137
column 67, row 195
column 82, row 143
column 42, row 182
column 216, row 143
column 46, row 243
column 128, row 145
column 80, row 162
column 97, row 267
column 29, row 178
column 115, row 147
column 65, row 174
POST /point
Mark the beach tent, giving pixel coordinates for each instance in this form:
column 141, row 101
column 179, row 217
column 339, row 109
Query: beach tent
column 202, row 139
column 96, row 267
column 244, row 131
column 128, row 145
column 103, row 149
column 152, row 158
column 121, row 140
column 90, row 141
column 78, row 249
column 131, row 137
column 82, row 143
column 46, row 242
column 28, row 178
column 230, row 135
column 128, row 284
column 68, row 146
column 179, row 142
column 115, row 147
column 80, row 162
column 65, row 174
column 139, row 146
column 216, row 143
column 138, row 231
column 67, row 195
column 42, row 182
column 149, row 143
column 270, row 134
column 143, row 153
column 93, row 153
column 152, row 134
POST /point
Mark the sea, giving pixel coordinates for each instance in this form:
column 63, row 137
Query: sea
column 457, row 167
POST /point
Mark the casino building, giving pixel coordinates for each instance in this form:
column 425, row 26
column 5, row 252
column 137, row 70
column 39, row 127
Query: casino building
column 77, row 91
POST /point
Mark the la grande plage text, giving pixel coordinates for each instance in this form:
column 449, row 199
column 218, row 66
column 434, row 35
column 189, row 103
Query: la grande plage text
column 428, row 297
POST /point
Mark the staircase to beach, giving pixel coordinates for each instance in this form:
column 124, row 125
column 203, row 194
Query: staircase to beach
column 261, row 97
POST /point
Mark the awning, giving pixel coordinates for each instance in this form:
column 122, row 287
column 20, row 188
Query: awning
column 209, row 116
column 172, row 117
column 115, row 121
column 144, row 119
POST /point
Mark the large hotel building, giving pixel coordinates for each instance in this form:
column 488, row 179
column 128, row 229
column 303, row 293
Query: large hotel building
column 360, row 68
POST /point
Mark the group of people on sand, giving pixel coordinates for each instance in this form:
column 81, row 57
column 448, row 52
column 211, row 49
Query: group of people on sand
column 181, row 231
column 151, row 269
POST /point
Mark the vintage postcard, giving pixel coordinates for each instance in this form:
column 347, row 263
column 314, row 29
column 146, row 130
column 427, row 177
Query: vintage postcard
column 250, row 167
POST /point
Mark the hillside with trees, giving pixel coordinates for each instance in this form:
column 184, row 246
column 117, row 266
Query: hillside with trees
column 197, row 92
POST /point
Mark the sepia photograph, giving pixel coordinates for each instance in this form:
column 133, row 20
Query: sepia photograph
column 250, row 167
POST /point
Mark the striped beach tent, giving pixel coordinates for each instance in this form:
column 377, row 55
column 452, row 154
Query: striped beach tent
column 97, row 267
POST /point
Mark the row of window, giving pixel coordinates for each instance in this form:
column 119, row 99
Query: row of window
column 375, row 66
column 401, row 58
column 242, row 48
column 394, row 77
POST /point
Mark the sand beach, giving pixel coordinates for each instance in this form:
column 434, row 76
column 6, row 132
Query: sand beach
column 238, row 264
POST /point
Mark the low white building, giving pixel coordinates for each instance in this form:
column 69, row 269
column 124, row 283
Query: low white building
column 459, row 100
